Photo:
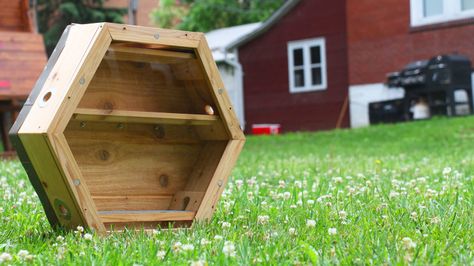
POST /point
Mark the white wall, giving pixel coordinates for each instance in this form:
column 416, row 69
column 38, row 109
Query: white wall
column 361, row 95
column 231, row 84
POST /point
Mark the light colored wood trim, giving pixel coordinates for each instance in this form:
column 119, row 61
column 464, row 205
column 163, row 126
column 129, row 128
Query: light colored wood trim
column 145, row 216
column 118, row 116
column 148, row 35
column 218, row 91
column 75, row 180
column 88, row 66
column 219, row 179
column 79, row 41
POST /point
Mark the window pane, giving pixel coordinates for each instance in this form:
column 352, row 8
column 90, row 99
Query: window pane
column 467, row 4
column 298, row 57
column 299, row 78
column 316, row 76
column 432, row 7
column 315, row 55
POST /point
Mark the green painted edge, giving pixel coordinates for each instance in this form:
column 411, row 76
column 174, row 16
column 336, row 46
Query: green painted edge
column 16, row 141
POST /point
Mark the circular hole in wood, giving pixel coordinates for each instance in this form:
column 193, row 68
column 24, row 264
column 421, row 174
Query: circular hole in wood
column 104, row 155
column 47, row 96
column 164, row 180
column 63, row 210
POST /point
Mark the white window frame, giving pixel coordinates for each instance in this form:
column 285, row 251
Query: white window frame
column 306, row 45
column 452, row 10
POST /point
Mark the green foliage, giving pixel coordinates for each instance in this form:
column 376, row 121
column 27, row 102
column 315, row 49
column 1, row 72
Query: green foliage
column 206, row 15
column 54, row 16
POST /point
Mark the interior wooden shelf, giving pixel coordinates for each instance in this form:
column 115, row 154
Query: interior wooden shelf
column 145, row 216
column 116, row 116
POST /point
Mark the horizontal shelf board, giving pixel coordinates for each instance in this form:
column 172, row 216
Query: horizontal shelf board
column 133, row 197
column 145, row 216
column 115, row 116
column 133, row 54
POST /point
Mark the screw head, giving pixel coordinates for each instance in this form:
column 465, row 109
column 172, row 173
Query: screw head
column 83, row 124
column 156, row 36
column 120, row 126
column 82, row 81
column 220, row 91
column 77, row 182
column 220, row 183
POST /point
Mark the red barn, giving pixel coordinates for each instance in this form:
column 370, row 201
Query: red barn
column 299, row 66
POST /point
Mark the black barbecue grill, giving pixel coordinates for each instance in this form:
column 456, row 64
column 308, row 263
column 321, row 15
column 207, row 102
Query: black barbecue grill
column 436, row 81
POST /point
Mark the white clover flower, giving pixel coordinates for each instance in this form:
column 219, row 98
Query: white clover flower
column 337, row 180
column 23, row 254
column 229, row 249
column 281, row 184
column 60, row 238
column 408, row 244
column 298, row 184
column 394, row 194
column 292, row 231
column 218, row 237
column 88, row 237
column 435, row 220
column 286, row 195
column 187, row 247
column 414, row 215
column 177, row 246
column 250, row 195
column 342, row 215
column 204, row 241
column 198, row 263
column 263, row 219
column 293, row 206
column 5, row 257
column 80, row 229
column 239, row 183
column 310, row 202
column 161, row 254
column 332, row 231
column 447, row 170
column 310, row 223
column 225, row 225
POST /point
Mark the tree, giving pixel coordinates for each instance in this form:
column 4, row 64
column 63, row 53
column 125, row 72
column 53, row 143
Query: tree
column 206, row 15
column 54, row 16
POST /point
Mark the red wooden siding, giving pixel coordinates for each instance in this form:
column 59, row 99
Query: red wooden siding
column 265, row 64
column 14, row 15
column 382, row 41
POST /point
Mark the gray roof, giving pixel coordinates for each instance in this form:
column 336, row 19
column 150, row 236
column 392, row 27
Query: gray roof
column 266, row 25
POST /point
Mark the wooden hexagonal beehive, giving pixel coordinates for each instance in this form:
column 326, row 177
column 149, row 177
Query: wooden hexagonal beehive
column 128, row 126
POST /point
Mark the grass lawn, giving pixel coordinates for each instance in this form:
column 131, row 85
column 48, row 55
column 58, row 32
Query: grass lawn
column 394, row 194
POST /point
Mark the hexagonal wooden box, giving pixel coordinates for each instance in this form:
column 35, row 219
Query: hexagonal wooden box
column 128, row 126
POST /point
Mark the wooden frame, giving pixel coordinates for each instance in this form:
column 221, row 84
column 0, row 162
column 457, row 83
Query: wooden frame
column 117, row 131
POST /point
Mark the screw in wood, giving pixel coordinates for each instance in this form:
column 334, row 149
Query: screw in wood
column 82, row 81
column 159, row 131
column 156, row 36
column 77, row 182
column 120, row 126
column 220, row 91
column 220, row 183
column 83, row 124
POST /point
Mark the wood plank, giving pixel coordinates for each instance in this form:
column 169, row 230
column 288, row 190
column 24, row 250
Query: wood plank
column 52, row 180
column 137, row 202
column 148, row 35
column 132, row 162
column 118, row 116
column 145, row 216
column 115, row 86
column 151, row 52
column 218, row 91
column 60, row 78
column 72, row 174
column 219, row 179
